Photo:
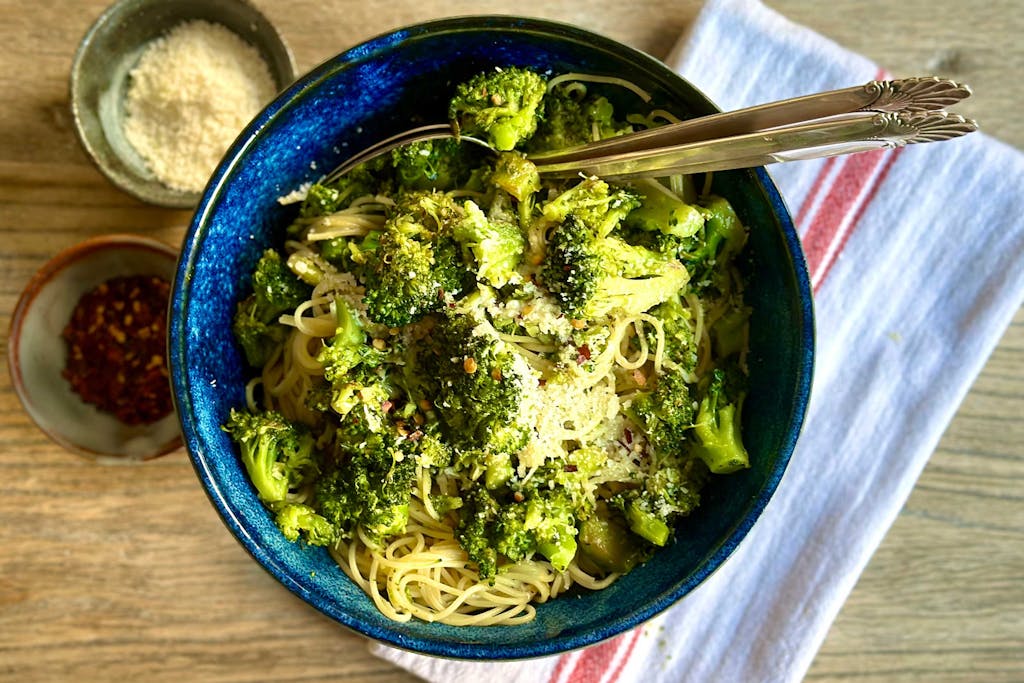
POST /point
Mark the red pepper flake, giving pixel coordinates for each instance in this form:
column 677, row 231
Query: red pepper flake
column 569, row 468
column 584, row 354
column 118, row 362
column 629, row 435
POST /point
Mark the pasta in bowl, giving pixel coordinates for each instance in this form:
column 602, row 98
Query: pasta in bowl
column 438, row 393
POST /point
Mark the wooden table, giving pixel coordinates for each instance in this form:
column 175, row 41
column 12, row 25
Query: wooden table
column 121, row 573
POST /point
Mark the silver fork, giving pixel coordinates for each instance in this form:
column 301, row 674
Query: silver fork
column 877, row 115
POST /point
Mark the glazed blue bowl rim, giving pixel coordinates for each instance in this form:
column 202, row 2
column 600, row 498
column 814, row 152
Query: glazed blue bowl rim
column 194, row 439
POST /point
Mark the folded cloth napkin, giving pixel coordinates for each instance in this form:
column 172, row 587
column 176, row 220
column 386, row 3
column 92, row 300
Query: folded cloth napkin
column 916, row 256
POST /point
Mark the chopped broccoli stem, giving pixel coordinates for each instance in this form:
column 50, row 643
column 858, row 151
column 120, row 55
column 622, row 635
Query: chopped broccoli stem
column 517, row 175
column 718, row 429
column 606, row 542
column 647, row 525
column 499, row 470
column 661, row 211
column 729, row 332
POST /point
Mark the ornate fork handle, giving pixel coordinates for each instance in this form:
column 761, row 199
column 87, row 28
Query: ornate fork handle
column 909, row 95
column 859, row 132
column 913, row 95
column 937, row 126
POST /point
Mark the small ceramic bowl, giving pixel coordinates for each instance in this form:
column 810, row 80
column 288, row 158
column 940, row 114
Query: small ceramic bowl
column 109, row 51
column 37, row 353
column 373, row 91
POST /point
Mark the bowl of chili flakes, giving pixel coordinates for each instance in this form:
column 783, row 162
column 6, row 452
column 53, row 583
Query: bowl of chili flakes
column 88, row 348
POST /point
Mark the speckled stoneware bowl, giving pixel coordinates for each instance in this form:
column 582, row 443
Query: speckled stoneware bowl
column 374, row 90
column 36, row 353
column 112, row 47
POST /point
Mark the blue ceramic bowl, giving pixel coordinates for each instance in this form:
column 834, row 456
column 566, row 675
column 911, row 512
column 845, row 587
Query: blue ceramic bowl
column 370, row 92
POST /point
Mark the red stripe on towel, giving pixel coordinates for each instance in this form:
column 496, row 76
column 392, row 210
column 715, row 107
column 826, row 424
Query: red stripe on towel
column 594, row 661
column 560, row 667
column 841, row 201
column 819, row 182
column 589, row 665
column 625, row 657
column 889, row 159
column 828, row 223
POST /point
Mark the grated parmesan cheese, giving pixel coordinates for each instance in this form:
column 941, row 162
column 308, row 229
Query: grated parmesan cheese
column 191, row 93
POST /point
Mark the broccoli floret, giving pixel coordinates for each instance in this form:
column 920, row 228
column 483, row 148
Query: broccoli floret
column 371, row 483
column 591, row 276
column 431, row 451
column 354, row 255
column 503, row 106
column 256, row 332
column 512, row 538
column 297, row 520
column 550, row 515
column 729, row 333
column 442, row 164
column 277, row 453
column 517, row 175
column 347, row 348
column 444, row 504
column 277, row 286
column 722, row 238
column 352, row 367
column 475, row 531
column 606, row 541
column 717, row 427
column 670, row 492
column 661, row 211
column 352, row 370
column 490, row 529
column 680, row 345
column 363, row 386
column 477, row 386
column 323, row 199
column 544, row 523
column 665, row 415
column 417, row 262
column 600, row 207
column 570, row 121
column 496, row 247
column 276, row 290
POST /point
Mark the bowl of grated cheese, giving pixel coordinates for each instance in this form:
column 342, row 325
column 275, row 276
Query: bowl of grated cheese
column 160, row 89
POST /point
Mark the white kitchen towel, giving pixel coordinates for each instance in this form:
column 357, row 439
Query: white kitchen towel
column 917, row 261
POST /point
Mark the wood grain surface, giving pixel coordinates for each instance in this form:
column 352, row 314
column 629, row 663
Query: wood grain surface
column 126, row 573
